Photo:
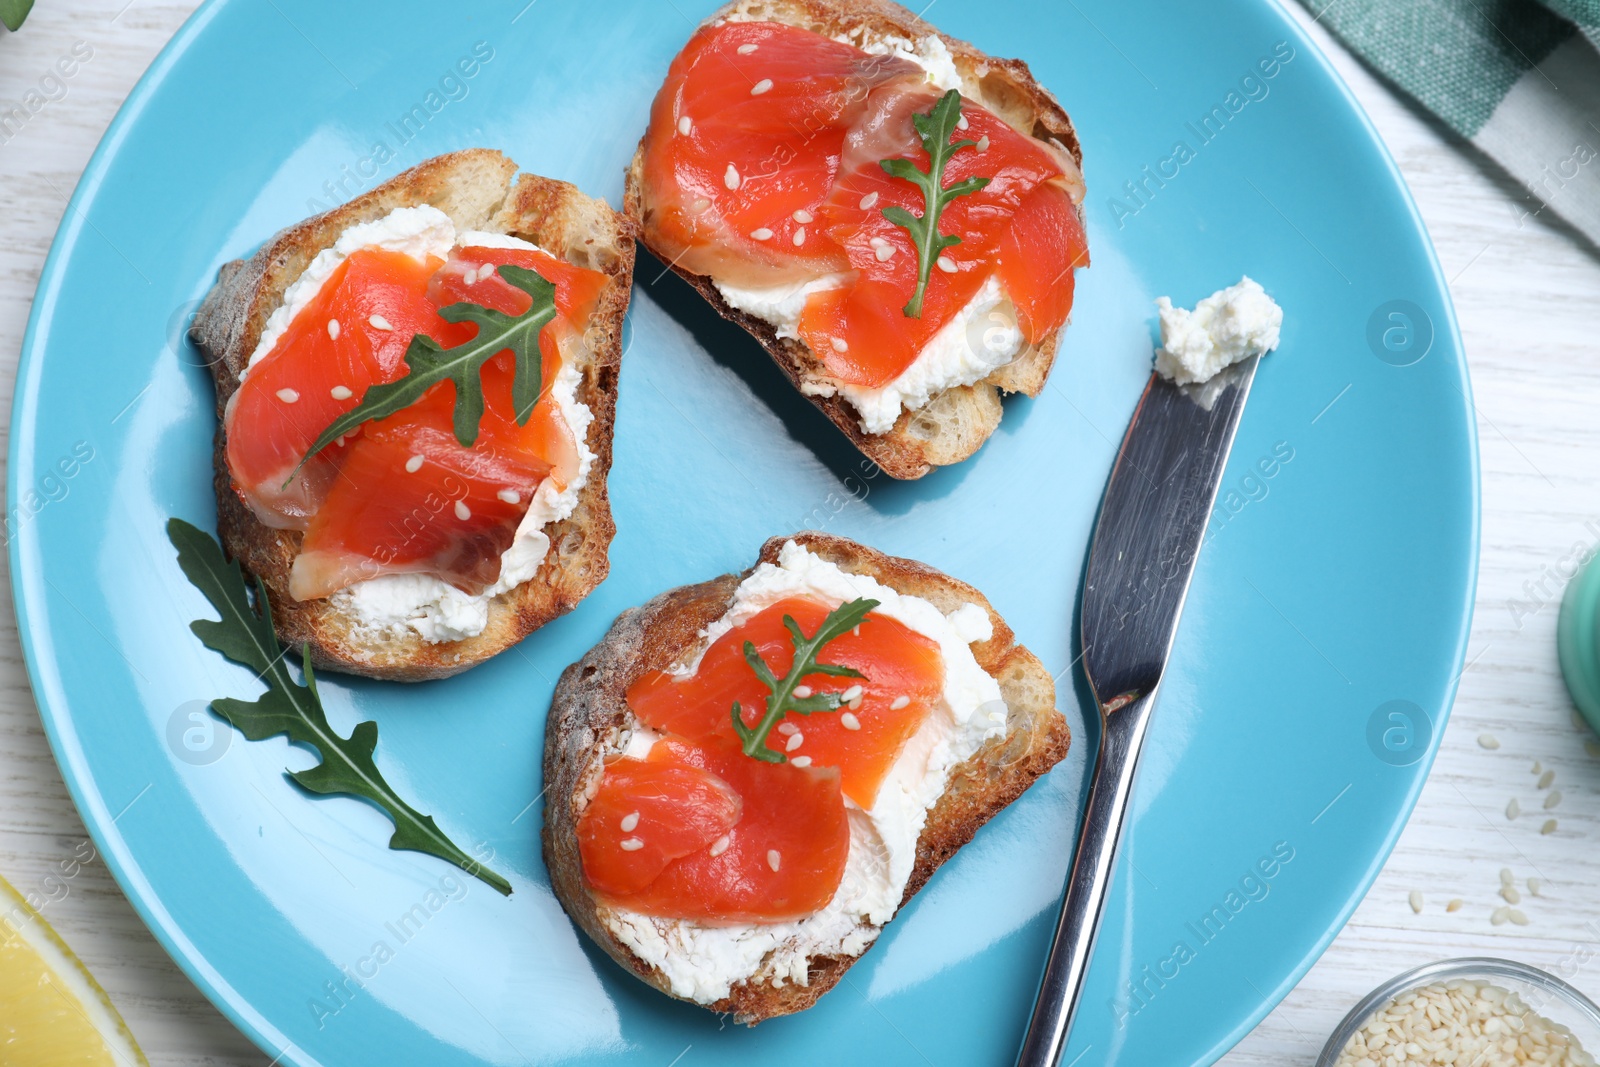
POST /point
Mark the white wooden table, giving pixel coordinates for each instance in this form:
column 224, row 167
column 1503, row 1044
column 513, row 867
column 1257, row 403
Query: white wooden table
column 1528, row 294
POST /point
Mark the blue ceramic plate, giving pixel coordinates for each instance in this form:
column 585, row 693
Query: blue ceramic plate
column 1311, row 680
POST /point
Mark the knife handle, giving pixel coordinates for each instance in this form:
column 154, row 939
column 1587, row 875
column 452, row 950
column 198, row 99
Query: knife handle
column 1121, row 736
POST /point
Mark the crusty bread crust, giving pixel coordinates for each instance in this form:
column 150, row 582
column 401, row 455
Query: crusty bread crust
column 476, row 189
column 956, row 422
column 589, row 721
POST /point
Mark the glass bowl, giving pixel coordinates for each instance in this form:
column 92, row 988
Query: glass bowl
column 1544, row 993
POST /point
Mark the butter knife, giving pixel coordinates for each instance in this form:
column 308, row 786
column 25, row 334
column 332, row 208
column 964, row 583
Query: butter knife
column 1145, row 544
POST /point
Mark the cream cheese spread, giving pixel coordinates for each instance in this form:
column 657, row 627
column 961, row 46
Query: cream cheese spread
column 703, row 962
column 1225, row 328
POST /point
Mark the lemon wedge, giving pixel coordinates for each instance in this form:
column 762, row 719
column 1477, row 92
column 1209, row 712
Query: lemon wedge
column 52, row 1011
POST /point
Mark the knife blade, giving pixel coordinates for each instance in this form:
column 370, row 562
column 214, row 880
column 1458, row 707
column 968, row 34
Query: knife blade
column 1146, row 542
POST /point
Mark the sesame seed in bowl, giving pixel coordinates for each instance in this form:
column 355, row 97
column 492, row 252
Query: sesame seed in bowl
column 1479, row 1011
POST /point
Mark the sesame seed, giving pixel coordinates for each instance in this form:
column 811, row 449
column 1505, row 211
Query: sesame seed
column 946, row 264
column 899, row 702
column 339, row 440
column 801, row 761
column 629, row 821
column 333, row 329
column 1455, row 905
column 1546, row 778
column 378, row 322
column 854, row 705
column 462, row 511
column 685, row 125
column 983, row 143
column 796, row 739
column 868, row 200
column 1513, row 809
column 1416, row 901
column 746, row 49
column 802, row 216
column 851, row 694
column 1537, row 766
column 1533, row 887
column 884, row 252
column 414, row 464
column 839, row 344
column 1552, row 800
column 1518, row 918
column 632, row 844
column 800, row 236
column 510, row 496
column 1499, row 916
column 961, row 123
column 1506, row 877
column 1593, row 748
column 731, row 177
column 700, row 206
column 773, row 859
column 471, row 277
column 1549, row 827
column 787, row 728
column 1510, row 894
column 802, row 691
column 763, row 234
column 849, row 721
column 340, row 392
column 288, row 396
column 720, row 845
column 761, row 86
column 1489, row 741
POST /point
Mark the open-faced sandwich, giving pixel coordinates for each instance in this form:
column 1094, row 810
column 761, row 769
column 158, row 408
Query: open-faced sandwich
column 748, row 777
column 894, row 215
column 416, row 393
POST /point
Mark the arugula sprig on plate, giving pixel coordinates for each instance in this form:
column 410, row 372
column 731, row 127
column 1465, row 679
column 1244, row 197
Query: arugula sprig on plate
column 841, row 620
column 935, row 128
column 428, row 364
column 245, row 635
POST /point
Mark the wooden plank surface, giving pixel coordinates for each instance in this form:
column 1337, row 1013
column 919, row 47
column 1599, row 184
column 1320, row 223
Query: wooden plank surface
column 1527, row 292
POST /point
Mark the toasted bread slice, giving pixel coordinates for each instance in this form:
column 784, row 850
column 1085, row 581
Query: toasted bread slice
column 479, row 190
column 589, row 722
column 955, row 423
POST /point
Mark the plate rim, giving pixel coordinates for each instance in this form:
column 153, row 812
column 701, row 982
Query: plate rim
column 53, row 705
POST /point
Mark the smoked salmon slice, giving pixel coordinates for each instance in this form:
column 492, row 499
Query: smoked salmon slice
column 904, row 675
column 783, row 858
column 743, row 145
column 761, row 168
column 648, row 813
column 402, row 495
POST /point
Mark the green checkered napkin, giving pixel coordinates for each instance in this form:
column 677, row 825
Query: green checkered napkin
column 1518, row 78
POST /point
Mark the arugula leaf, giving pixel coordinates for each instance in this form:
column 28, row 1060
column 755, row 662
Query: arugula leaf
column 428, row 364
column 246, row 637
column 935, row 129
column 12, row 12
column 840, row 620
